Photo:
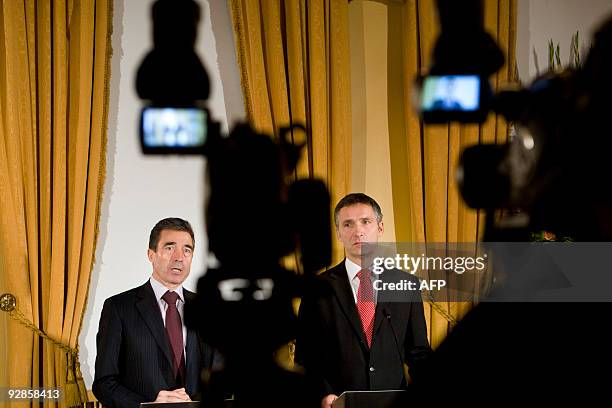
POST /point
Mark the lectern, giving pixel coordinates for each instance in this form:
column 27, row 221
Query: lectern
column 186, row 404
column 372, row 399
column 228, row 403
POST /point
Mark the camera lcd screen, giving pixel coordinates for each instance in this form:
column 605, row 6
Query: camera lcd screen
column 173, row 130
column 451, row 93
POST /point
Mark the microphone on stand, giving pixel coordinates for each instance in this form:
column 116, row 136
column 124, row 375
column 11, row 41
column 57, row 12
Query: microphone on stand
column 399, row 351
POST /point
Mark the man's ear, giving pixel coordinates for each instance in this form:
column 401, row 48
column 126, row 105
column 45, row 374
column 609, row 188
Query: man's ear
column 381, row 228
column 338, row 233
column 150, row 254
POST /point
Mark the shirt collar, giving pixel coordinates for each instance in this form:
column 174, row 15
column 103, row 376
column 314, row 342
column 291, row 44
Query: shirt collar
column 352, row 269
column 160, row 289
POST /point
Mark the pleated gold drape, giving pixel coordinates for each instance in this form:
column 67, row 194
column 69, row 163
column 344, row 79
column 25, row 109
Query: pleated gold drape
column 294, row 62
column 54, row 75
column 427, row 205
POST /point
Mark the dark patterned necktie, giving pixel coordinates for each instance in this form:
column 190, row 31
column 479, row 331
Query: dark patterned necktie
column 366, row 303
column 174, row 330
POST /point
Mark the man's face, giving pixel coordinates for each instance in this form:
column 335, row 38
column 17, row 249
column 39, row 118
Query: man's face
column 172, row 258
column 357, row 224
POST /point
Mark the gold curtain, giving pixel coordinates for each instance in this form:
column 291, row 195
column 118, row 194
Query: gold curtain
column 54, row 76
column 294, row 63
column 426, row 201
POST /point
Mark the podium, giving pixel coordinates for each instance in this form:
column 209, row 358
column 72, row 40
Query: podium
column 228, row 403
column 372, row 399
column 186, row 404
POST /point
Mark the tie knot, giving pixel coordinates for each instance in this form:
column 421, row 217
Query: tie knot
column 364, row 273
column 170, row 298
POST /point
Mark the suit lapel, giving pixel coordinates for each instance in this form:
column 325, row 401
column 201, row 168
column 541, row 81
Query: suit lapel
column 386, row 308
column 149, row 311
column 191, row 352
column 344, row 294
column 381, row 307
column 379, row 316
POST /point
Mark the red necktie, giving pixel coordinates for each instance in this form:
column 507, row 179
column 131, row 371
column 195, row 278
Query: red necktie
column 366, row 304
column 174, row 330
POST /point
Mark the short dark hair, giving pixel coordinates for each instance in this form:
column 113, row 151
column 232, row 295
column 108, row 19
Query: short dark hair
column 174, row 224
column 357, row 198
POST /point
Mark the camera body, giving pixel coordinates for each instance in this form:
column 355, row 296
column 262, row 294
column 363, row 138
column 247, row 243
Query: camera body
column 174, row 83
column 540, row 178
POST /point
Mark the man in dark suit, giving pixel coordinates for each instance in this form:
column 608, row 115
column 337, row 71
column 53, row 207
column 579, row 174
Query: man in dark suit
column 350, row 337
column 145, row 352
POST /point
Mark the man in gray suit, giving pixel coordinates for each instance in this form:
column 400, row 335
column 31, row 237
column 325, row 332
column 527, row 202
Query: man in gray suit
column 145, row 352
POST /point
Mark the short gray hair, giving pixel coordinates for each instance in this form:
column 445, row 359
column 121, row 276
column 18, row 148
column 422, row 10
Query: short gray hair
column 358, row 198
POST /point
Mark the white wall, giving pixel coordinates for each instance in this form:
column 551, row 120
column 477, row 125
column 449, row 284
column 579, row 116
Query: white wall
column 541, row 20
column 139, row 190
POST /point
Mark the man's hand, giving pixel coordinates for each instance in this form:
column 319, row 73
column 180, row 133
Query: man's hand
column 172, row 396
column 328, row 401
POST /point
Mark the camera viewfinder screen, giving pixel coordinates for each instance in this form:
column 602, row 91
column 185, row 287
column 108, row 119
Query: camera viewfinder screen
column 451, row 93
column 174, row 127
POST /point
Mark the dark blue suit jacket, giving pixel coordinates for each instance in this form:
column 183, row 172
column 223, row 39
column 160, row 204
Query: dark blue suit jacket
column 133, row 361
column 332, row 347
